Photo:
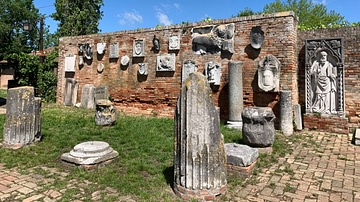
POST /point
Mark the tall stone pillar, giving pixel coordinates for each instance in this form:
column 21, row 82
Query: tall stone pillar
column 286, row 115
column 236, row 104
column 23, row 118
column 199, row 160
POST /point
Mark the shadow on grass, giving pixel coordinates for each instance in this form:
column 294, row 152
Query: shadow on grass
column 169, row 175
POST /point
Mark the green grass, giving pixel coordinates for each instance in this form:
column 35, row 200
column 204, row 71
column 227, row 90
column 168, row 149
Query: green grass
column 144, row 168
column 3, row 93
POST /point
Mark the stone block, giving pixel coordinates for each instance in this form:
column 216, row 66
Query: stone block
column 88, row 96
column 240, row 155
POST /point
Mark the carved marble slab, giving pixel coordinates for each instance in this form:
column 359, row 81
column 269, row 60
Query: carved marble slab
column 139, row 48
column 165, row 62
column 269, row 73
column 70, row 63
column 174, row 42
column 100, row 47
column 213, row 72
column 189, row 66
column 324, row 63
column 114, row 50
column 143, row 69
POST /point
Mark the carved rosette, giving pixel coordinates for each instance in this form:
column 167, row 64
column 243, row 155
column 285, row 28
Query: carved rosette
column 333, row 47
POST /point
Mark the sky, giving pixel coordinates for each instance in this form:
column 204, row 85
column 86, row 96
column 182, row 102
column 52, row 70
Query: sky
column 122, row 15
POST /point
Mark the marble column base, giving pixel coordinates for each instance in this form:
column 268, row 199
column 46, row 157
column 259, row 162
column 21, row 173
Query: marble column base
column 234, row 124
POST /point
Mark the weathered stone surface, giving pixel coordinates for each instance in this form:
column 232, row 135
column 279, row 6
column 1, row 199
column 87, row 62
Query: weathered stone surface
column 88, row 153
column 269, row 74
column 71, row 88
column 199, row 160
column 105, row 114
column 102, row 93
column 23, row 118
column 236, row 104
column 258, row 126
column 240, row 155
column 286, row 115
column 88, row 96
column 298, row 117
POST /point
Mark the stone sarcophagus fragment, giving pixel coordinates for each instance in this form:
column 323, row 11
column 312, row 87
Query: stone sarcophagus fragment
column 23, row 118
column 199, row 161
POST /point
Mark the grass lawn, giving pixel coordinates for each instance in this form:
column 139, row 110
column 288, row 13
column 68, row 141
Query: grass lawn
column 145, row 145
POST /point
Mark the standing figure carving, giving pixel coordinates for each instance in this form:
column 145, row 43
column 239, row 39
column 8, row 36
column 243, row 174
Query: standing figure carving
column 323, row 84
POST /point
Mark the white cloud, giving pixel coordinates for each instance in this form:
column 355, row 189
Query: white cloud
column 130, row 18
column 163, row 18
column 320, row 2
column 177, row 6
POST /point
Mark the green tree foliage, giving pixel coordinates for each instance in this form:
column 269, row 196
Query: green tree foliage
column 30, row 72
column 77, row 17
column 246, row 12
column 311, row 16
column 13, row 39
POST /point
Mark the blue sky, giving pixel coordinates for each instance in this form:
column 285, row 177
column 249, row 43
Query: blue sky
column 133, row 14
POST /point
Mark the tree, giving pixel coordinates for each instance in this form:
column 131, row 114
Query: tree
column 311, row 16
column 246, row 12
column 13, row 38
column 77, row 17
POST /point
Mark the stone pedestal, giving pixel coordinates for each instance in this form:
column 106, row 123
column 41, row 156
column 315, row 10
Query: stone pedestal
column 199, row 160
column 258, row 126
column 286, row 115
column 236, row 104
column 105, row 113
column 90, row 154
column 88, row 96
column 23, row 118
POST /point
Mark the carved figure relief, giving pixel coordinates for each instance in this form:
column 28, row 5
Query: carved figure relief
column 174, row 42
column 156, row 43
column 143, row 68
column 189, row 66
column 213, row 72
column 256, row 37
column 165, row 62
column 269, row 74
column 324, row 76
column 86, row 50
column 114, row 50
column 100, row 47
column 124, row 61
column 139, row 47
column 213, row 38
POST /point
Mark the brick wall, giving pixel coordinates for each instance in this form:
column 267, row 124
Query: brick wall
column 157, row 93
column 351, row 46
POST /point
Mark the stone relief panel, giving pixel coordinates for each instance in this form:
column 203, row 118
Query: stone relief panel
column 324, row 63
column 156, row 43
column 213, row 38
column 174, row 42
column 143, row 69
column 70, row 63
column 269, row 74
column 213, row 73
column 165, row 62
column 114, row 50
column 139, row 48
column 189, row 66
column 101, row 47
column 256, row 37
column 86, row 50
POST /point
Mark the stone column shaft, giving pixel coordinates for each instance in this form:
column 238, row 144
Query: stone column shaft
column 286, row 115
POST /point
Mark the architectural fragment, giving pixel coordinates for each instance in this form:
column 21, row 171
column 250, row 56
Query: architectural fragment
column 189, row 66
column 269, row 74
column 165, row 62
column 213, row 72
column 199, row 161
